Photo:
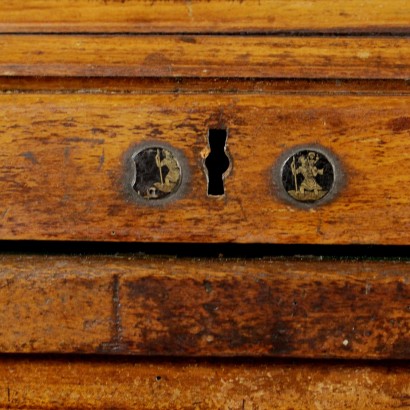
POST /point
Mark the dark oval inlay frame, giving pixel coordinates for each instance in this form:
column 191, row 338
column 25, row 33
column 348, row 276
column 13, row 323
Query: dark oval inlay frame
column 307, row 176
column 156, row 173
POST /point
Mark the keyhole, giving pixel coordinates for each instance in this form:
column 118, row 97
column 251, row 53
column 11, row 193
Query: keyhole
column 217, row 162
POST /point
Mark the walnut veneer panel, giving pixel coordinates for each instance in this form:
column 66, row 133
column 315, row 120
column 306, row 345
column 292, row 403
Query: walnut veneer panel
column 191, row 307
column 98, row 384
column 65, row 175
column 133, row 16
column 205, row 56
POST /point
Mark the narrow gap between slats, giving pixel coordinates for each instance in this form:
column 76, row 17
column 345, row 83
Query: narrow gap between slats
column 205, row 250
column 200, row 85
column 219, row 361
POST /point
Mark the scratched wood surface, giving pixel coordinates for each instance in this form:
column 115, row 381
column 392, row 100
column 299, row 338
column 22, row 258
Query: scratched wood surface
column 209, row 307
column 102, row 384
column 134, row 16
column 206, row 56
column 65, row 175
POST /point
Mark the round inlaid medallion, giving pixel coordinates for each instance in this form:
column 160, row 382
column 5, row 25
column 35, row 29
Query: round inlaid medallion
column 158, row 173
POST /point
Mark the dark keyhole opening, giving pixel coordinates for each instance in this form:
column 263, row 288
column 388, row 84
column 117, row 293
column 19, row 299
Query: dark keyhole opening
column 217, row 162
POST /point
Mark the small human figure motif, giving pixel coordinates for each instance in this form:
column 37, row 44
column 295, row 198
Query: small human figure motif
column 158, row 173
column 172, row 177
column 309, row 189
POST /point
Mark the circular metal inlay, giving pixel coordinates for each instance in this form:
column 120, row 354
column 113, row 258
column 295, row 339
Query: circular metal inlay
column 308, row 175
column 157, row 173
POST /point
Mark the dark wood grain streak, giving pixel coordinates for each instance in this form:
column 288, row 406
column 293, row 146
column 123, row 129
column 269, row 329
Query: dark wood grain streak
column 118, row 85
column 183, row 307
column 205, row 56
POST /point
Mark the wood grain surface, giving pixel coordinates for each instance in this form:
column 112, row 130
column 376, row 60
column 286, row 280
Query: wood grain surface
column 106, row 77
column 102, row 384
column 134, row 16
column 209, row 307
column 206, row 56
column 64, row 173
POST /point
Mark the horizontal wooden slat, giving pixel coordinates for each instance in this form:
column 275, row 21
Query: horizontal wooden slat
column 188, row 307
column 64, row 173
column 97, row 384
column 133, row 16
column 205, row 56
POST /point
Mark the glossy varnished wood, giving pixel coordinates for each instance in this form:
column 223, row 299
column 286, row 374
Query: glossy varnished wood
column 133, row 16
column 101, row 384
column 192, row 307
column 64, row 171
column 206, row 56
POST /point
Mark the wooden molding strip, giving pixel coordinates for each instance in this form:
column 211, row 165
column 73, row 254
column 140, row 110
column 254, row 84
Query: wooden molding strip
column 205, row 56
column 138, row 16
column 66, row 170
column 183, row 307
column 101, row 384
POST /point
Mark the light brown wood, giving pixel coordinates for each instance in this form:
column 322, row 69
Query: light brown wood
column 134, row 16
column 190, row 307
column 53, row 309
column 206, row 56
column 64, row 171
column 102, row 384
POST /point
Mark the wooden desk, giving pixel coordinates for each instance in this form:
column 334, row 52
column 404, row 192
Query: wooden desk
column 285, row 282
